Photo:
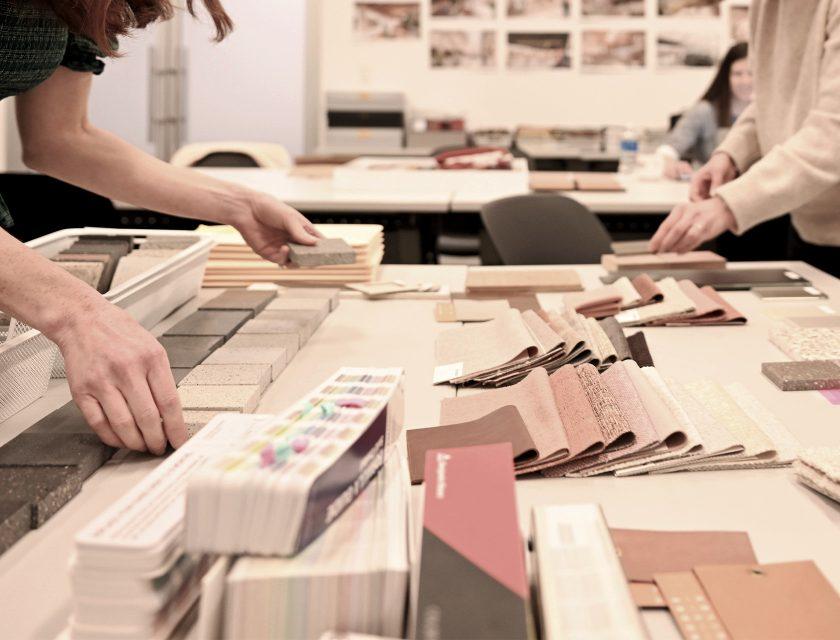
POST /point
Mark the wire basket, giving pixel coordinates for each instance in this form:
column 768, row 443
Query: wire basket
column 26, row 362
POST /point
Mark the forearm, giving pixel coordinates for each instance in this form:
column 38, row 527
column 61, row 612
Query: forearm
column 40, row 293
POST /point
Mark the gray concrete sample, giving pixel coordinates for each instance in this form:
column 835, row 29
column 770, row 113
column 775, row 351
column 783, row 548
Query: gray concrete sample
column 88, row 272
column 14, row 522
column 242, row 398
column 274, row 357
column 84, row 451
column 240, row 299
column 322, row 293
column 117, row 247
column 294, row 327
column 197, row 420
column 308, row 320
column 319, row 305
column 805, row 375
column 178, row 243
column 133, row 266
column 179, row 373
column 108, row 261
column 327, row 251
column 227, row 374
column 67, row 419
column 210, row 323
column 44, row 489
column 288, row 341
column 186, row 352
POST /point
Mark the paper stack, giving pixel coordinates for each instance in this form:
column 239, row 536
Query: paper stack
column 234, row 264
column 131, row 576
column 274, row 493
column 354, row 578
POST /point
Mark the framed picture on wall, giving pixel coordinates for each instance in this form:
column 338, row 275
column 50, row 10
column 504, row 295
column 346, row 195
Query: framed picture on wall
column 462, row 49
column 619, row 8
column 613, row 49
column 464, row 8
column 680, row 49
column 539, row 8
column 539, row 51
column 386, row 20
column 739, row 23
column 689, row 8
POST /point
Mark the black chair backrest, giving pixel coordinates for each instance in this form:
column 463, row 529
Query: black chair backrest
column 545, row 228
column 673, row 120
column 226, row 159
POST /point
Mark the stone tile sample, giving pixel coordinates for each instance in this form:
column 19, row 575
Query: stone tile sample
column 308, row 320
column 288, row 341
column 321, row 306
column 275, row 357
column 14, row 522
column 197, row 420
column 327, row 251
column 186, row 352
column 67, row 419
column 88, row 272
column 210, row 323
column 242, row 398
column 240, row 299
column 323, row 293
column 44, row 489
column 167, row 242
column 108, row 262
column 84, row 451
column 118, row 248
column 164, row 254
column 132, row 266
column 289, row 326
column 227, row 374
column 805, row 375
column 179, row 373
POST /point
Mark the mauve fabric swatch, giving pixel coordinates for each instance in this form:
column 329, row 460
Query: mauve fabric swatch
column 533, row 398
column 615, row 333
column 602, row 342
column 648, row 290
column 639, row 349
column 596, row 303
column 576, row 414
column 675, row 305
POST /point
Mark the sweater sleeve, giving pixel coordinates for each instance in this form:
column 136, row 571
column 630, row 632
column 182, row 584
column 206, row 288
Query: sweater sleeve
column 693, row 126
column 806, row 164
column 741, row 143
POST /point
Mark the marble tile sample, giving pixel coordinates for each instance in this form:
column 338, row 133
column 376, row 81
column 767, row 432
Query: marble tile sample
column 83, row 451
column 275, row 357
column 44, row 489
column 239, row 299
column 210, row 323
column 227, row 374
column 804, row 375
column 288, row 341
column 327, row 251
column 14, row 522
column 242, row 398
column 186, row 352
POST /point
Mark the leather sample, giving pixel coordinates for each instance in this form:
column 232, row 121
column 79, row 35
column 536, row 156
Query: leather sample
column 210, row 323
column 226, row 374
column 522, row 279
column 720, row 279
column 44, row 489
column 242, row 398
column 615, row 333
column 661, row 261
column 772, row 601
column 326, row 251
column 288, row 341
column 819, row 469
column 186, row 352
column 84, row 452
column 807, row 344
column 502, row 425
column 239, row 300
column 639, row 349
column 15, row 518
column 805, row 375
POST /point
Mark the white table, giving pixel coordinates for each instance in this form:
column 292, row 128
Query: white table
column 785, row 520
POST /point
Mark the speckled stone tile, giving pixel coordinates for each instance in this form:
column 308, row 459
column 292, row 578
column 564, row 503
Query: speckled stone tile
column 807, row 344
column 227, row 374
column 260, row 325
column 274, row 357
column 242, row 398
column 195, row 421
column 88, row 272
column 288, row 341
column 84, row 451
column 240, row 299
column 14, row 522
column 327, row 251
column 186, row 352
column 806, row 375
column 167, row 242
column 132, row 266
column 308, row 320
column 325, row 293
column 320, row 306
column 210, row 323
column 108, row 262
column 67, row 419
column 179, row 373
column 44, row 489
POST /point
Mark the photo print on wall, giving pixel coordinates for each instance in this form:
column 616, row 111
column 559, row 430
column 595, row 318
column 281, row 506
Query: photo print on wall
column 678, row 49
column 461, row 49
column 464, row 9
column 387, row 20
column 539, row 8
column 539, row 51
column 605, row 49
column 689, row 8
column 619, row 8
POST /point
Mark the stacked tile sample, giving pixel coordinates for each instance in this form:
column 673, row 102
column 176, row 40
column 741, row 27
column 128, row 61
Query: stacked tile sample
column 804, row 375
column 819, row 469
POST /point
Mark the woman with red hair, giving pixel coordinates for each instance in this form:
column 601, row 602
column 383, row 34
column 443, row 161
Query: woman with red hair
column 118, row 373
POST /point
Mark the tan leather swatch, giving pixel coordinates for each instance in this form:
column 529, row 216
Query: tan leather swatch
column 647, row 288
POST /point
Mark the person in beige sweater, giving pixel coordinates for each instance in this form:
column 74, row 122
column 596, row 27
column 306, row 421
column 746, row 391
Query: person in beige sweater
column 783, row 153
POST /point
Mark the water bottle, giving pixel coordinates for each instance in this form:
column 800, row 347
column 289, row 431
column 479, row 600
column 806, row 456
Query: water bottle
column 628, row 157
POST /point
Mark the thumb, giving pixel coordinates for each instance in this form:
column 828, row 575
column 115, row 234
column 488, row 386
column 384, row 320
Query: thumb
column 302, row 233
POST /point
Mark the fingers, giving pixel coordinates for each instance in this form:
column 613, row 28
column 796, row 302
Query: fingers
column 684, row 170
column 718, row 178
column 657, row 241
column 162, row 386
column 695, row 234
column 120, row 418
column 301, row 230
column 309, row 227
column 97, row 421
column 146, row 415
column 700, row 185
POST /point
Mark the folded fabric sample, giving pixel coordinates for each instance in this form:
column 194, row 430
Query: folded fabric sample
column 720, row 279
column 819, row 469
column 675, row 304
column 616, row 336
column 647, row 288
column 598, row 303
column 807, row 344
column 502, row 425
column 522, row 279
column 710, row 308
column 470, row 310
column 805, row 375
column 639, row 350
column 690, row 260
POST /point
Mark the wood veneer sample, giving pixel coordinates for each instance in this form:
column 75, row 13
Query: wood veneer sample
column 522, row 279
column 540, row 181
column 690, row 260
column 597, row 181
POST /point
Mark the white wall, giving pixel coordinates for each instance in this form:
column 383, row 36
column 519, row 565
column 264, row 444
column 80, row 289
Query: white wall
column 644, row 97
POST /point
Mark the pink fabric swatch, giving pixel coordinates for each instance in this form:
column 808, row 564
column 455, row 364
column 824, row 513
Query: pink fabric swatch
column 832, row 395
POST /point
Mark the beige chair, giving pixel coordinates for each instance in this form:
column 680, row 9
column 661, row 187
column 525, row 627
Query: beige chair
column 265, row 155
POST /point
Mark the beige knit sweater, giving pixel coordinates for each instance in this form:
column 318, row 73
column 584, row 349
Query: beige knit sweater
column 787, row 143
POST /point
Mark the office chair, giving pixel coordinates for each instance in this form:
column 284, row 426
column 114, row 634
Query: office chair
column 544, row 228
column 265, row 155
column 673, row 120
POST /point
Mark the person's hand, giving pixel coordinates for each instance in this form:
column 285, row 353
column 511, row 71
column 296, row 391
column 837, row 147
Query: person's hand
column 271, row 224
column 719, row 170
column 690, row 225
column 676, row 169
column 120, row 378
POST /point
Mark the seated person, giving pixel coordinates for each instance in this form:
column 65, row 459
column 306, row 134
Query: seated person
column 703, row 127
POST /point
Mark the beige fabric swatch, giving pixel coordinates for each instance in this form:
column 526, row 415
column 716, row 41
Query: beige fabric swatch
column 604, row 346
column 630, row 297
column 470, row 310
column 786, row 445
column 533, row 398
column 675, row 304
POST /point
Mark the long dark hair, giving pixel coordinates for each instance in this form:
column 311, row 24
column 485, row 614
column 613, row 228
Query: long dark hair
column 719, row 93
column 103, row 20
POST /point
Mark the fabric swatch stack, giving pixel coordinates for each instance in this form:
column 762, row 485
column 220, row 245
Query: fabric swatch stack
column 629, row 421
column 819, row 469
column 643, row 302
column 353, row 579
column 503, row 350
column 234, row 264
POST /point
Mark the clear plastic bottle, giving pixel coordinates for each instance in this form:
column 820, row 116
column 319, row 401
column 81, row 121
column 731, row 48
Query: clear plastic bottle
column 628, row 156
